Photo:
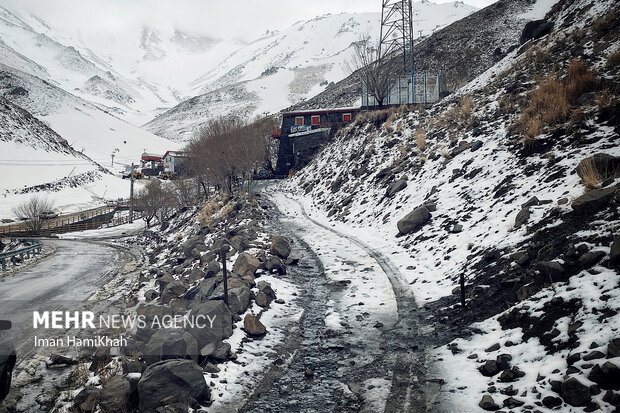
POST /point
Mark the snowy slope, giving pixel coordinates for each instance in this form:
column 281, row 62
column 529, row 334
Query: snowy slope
column 133, row 81
column 36, row 160
column 540, row 283
column 284, row 68
column 87, row 128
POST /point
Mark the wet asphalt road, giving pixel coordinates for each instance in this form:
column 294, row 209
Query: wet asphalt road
column 66, row 278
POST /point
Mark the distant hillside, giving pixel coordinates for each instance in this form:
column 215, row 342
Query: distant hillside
column 459, row 52
column 284, row 68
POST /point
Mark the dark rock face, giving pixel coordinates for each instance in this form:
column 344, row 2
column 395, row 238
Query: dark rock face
column 593, row 201
column 535, row 30
column 613, row 348
column 274, row 263
column 522, row 217
column 169, row 382
column 575, row 393
column 550, row 402
column 280, row 246
column 414, row 220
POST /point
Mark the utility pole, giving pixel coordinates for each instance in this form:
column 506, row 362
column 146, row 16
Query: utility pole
column 112, row 159
column 131, row 194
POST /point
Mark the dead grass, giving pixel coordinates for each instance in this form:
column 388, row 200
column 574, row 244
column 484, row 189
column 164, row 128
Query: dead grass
column 420, row 139
column 80, row 375
column 548, row 105
column 613, row 60
column 208, row 212
column 604, row 99
column 589, row 174
column 579, row 80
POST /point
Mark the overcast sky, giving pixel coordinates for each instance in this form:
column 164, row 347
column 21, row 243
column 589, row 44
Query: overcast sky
column 243, row 19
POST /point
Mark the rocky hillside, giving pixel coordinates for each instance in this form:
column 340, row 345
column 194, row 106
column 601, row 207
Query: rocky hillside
column 513, row 183
column 460, row 51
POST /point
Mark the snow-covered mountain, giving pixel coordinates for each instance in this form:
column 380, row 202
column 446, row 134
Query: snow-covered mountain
column 55, row 142
column 133, row 74
column 284, row 68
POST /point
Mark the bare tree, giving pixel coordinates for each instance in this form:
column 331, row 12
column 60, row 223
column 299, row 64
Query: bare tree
column 227, row 151
column 31, row 210
column 185, row 191
column 155, row 201
column 375, row 72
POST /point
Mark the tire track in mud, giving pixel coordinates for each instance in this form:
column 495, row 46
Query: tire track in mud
column 397, row 355
column 406, row 393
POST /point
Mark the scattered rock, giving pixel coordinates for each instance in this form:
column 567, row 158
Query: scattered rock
column 489, row 368
column 613, row 348
column 414, row 220
column 512, row 403
column 589, row 259
column 575, row 392
column 57, row 360
column 395, row 187
column 487, row 403
column 551, row 401
column 174, row 289
column 614, row 253
column 253, row 326
column 280, row 246
column 594, row 355
column 246, row 264
column 116, row 395
column 607, row 376
column 522, row 217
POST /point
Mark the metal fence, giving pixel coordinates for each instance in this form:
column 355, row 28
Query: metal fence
column 26, row 251
column 417, row 88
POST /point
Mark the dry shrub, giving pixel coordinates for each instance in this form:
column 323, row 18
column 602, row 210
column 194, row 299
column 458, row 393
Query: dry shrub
column 613, row 60
column 579, row 80
column 604, row 99
column 548, row 106
column 208, row 211
column 590, row 176
column 420, row 139
column 80, row 375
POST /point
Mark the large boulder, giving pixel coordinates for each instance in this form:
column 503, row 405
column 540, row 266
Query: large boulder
column 195, row 242
column 205, row 290
column 280, row 246
column 171, row 381
column 239, row 299
column 246, row 264
column 173, row 290
column 215, row 319
column 593, row 201
column 168, row 343
column 116, row 395
column 414, row 220
column 240, row 243
column 276, row 264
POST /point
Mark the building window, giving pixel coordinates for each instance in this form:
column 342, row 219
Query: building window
column 316, row 119
column 346, row 117
column 299, row 120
